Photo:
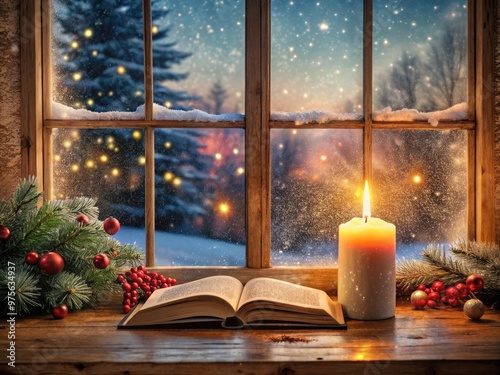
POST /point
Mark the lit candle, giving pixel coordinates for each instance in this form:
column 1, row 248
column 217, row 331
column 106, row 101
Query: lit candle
column 367, row 266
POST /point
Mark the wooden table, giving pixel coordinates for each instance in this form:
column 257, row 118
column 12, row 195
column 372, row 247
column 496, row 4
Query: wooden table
column 414, row 342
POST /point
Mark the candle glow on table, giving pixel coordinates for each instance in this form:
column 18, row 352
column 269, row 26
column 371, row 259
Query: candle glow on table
column 367, row 266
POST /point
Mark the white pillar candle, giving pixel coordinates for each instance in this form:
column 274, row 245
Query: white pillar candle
column 367, row 266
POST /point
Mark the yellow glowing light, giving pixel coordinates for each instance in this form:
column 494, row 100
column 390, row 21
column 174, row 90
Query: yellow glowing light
column 281, row 145
column 75, row 167
column 87, row 33
column 235, row 151
column 323, row 157
column 168, row 176
column 99, row 140
column 67, row 144
column 77, row 76
column 177, row 181
column 74, row 44
column 367, row 212
column 224, row 208
column 142, row 160
column 95, row 53
column 90, row 164
column 137, row 134
column 116, row 149
column 111, row 93
column 138, row 93
column 57, row 158
column 294, row 131
column 115, row 172
column 323, row 26
column 218, row 156
column 417, row 179
column 168, row 104
column 65, row 57
column 240, row 170
column 168, row 144
column 104, row 158
column 90, row 102
column 110, row 139
column 155, row 29
column 121, row 69
column 111, row 146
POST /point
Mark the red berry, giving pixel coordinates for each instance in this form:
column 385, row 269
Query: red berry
column 126, row 302
column 444, row 300
column 452, row 302
column 164, row 285
column 452, row 293
column 126, row 287
column 428, row 290
column 101, row 261
column 82, row 218
column 127, row 295
column 438, row 286
column 463, row 291
column 51, row 263
column 421, row 287
column 133, row 270
column 147, row 295
column 141, row 268
column 145, row 287
column 111, row 225
column 434, row 296
column 4, row 233
column 120, row 279
column 126, row 308
column 31, row 258
column 174, row 282
column 60, row 311
column 154, row 275
column 432, row 304
column 134, row 285
column 475, row 283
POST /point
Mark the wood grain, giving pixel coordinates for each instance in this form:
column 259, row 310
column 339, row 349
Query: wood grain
column 414, row 342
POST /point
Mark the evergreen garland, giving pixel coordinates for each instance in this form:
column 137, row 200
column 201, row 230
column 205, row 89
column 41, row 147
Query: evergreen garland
column 466, row 258
column 51, row 226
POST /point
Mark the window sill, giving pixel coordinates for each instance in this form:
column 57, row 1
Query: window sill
column 430, row 341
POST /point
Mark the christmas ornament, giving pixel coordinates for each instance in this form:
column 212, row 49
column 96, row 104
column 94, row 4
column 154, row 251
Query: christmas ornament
column 4, row 233
column 51, row 263
column 31, row 258
column 474, row 309
column 111, row 225
column 82, row 218
column 101, row 261
column 475, row 283
column 51, row 225
column 60, row 311
column 419, row 299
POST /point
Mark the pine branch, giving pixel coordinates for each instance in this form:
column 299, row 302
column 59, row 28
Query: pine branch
column 82, row 205
column 26, row 195
column 26, row 289
column 70, row 289
column 436, row 257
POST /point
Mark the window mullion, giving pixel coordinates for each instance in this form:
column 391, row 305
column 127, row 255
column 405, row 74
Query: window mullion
column 367, row 88
column 149, row 134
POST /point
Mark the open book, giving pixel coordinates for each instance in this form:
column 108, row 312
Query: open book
column 262, row 302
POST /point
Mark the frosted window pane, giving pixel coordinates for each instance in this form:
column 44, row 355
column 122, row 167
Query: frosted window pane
column 317, row 181
column 420, row 185
column 200, row 197
column 316, row 55
column 97, row 54
column 204, row 42
column 107, row 165
column 419, row 54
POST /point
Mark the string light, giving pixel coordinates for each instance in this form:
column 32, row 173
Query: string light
column 95, row 53
column 67, row 144
column 74, row 44
column 323, row 157
column 417, row 179
column 115, row 172
column 136, row 134
column 224, row 208
column 75, row 167
column 121, row 69
column 90, row 164
column 168, row 104
column 235, row 151
column 90, row 102
column 168, row 144
column 104, row 158
column 142, row 160
column 155, row 29
column 57, row 157
column 87, row 33
column 168, row 176
column 77, row 76
column 177, row 181
column 240, row 171
column 218, row 156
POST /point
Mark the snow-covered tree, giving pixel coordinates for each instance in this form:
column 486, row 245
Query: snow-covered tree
column 218, row 95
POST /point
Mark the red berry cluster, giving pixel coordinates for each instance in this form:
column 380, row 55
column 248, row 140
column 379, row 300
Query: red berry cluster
column 452, row 296
column 138, row 284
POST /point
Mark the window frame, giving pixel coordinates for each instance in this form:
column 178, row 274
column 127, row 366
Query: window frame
column 36, row 129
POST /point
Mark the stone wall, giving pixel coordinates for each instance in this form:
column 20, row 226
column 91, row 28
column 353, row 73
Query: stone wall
column 10, row 102
column 10, row 98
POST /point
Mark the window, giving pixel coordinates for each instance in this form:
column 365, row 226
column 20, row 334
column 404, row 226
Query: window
column 268, row 148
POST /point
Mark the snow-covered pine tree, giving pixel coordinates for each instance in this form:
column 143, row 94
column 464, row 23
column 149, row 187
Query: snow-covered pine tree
column 98, row 65
column 52, row 227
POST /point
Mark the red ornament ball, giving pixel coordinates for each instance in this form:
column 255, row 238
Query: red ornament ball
column 31, row 258
column 438, row 286
column 475, row 283
column 82, row 218
column 51, row 263
column 60, row 311
column 111, row 225
column 419, row 299
column 101, row 261
column 4, row 233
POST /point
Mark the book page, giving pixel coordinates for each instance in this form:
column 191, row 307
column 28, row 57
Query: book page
column 281, row 291
column 225, row 287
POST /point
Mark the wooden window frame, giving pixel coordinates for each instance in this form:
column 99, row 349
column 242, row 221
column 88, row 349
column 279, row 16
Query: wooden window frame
column 37, row 125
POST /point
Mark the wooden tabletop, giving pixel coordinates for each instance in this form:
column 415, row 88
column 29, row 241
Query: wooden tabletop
column 413, row 342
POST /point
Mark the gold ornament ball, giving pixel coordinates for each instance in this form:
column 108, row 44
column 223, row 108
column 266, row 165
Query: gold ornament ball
column 474, row 309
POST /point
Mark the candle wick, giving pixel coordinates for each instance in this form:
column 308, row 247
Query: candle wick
column 366, row 219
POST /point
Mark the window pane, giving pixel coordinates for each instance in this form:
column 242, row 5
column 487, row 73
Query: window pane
column 202, row 43
column 200, row 197
column 97, row 56
column 317, row 182
column 107, row 165
column 316, row 55
column 419, row 54
column 420, row 185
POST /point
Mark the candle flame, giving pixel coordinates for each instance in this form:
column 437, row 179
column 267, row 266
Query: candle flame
column 366, row 203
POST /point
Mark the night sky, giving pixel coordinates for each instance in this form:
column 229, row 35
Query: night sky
column 316, row 46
